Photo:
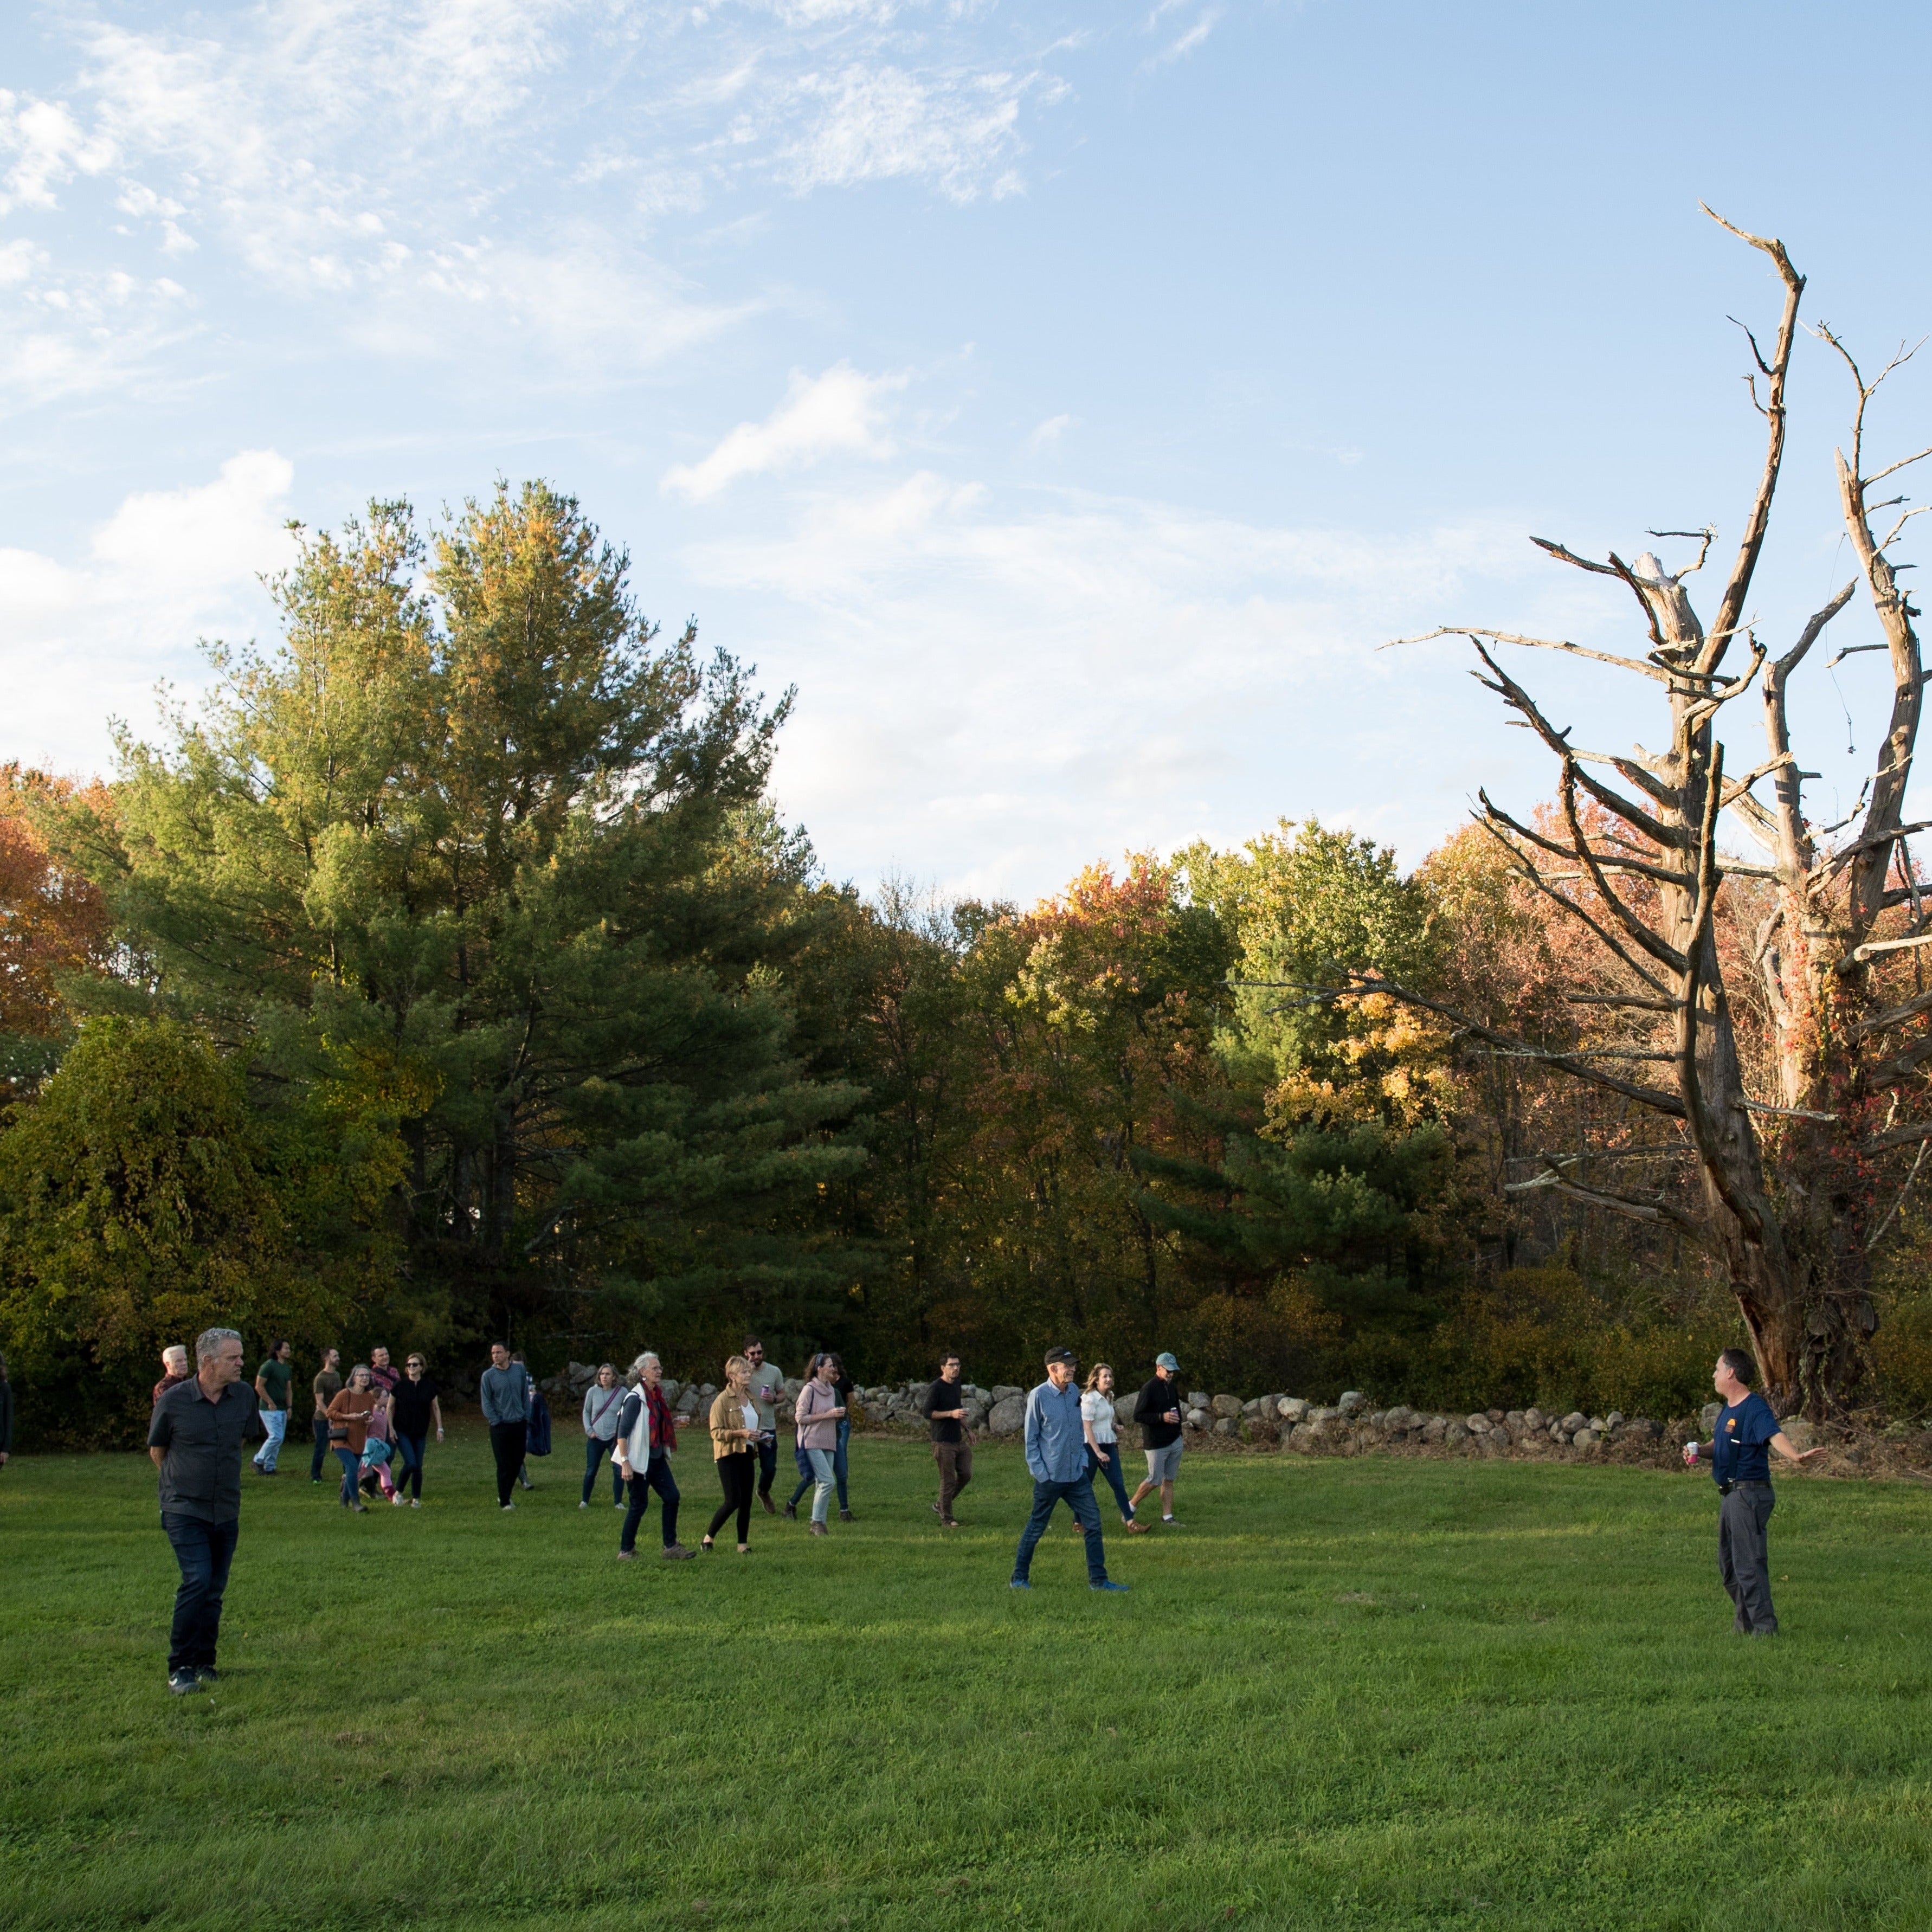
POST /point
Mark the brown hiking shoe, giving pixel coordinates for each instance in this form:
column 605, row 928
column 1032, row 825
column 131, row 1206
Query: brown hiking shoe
column 676, row 1553
column 818, row 1529
column 771, row 1508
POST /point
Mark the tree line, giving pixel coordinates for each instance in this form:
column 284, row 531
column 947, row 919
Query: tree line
column 447, row 975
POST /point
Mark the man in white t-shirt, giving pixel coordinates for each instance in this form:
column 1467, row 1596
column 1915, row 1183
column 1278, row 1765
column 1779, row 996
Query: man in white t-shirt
column 767, row 1384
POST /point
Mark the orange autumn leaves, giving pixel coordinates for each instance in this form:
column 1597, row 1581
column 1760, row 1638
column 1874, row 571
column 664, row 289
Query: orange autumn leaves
column 53, row 921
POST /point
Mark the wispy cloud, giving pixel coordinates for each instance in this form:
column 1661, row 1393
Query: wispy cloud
column 1184, row 43
column 1046, row 434
column 876, row 124
column 999, row 688
column 838, row 412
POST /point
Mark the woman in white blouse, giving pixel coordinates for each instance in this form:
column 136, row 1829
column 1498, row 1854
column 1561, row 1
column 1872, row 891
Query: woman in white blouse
column 1103, row 1450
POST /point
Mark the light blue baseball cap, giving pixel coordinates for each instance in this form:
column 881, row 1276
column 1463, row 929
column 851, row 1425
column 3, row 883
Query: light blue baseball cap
column 1166, row 1361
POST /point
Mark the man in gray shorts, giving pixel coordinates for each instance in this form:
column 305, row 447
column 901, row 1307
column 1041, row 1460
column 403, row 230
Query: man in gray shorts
column 1158, row 1412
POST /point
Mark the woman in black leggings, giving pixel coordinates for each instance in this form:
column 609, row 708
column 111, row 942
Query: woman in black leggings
column 734, row 1434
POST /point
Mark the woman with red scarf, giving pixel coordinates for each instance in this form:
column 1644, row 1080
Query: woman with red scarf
column 646, row 1434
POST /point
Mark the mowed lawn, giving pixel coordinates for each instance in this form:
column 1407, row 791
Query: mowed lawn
column 1379, row 1693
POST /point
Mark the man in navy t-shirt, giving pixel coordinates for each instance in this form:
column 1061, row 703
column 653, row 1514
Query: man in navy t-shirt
column 1741, row 1467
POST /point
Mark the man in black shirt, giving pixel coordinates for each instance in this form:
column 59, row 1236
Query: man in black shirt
column 945, row 1407
column 1158, row 1412
column 195, row 1442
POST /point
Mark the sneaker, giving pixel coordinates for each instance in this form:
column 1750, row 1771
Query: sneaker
column 315, row 1482
column 627, row 1556
column 415, row 1502
column 1106, row 1586
column 399, row 1499
column 509, row 1506
column 1019, row 1583
column 937, row 1511
column 818, row 1529
column 208, row 1673
column 181, row 1682
column 1170, row 1521
column 583, row 1506
column 949, row 1523
column 676, row 1553
column 525, row 1482
column 791, row 1512
column 845, row 1515
column 360, row 1507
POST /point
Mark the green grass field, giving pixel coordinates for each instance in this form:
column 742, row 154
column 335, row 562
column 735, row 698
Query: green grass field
column 1380, row 1693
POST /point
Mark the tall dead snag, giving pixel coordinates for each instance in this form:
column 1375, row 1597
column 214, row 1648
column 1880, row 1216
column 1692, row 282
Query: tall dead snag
column 1792, row 1192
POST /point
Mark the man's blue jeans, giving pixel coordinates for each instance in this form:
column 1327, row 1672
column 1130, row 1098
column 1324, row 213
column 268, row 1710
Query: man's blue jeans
column 657, row 1477
column 275, row 1421
column 1078, row 1495
column 204, row 1550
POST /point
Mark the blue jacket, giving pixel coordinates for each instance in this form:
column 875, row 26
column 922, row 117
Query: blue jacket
column 1056, row 1444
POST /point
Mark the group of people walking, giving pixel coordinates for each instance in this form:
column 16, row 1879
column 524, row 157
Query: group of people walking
column 377, row 1423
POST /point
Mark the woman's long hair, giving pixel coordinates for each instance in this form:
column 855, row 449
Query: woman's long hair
column 1094, row 1373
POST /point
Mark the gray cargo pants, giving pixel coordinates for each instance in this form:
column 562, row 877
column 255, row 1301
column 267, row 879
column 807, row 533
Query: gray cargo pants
column 1743, row 1517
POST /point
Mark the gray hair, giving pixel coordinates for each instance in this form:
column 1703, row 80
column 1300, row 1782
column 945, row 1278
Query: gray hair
column 174, row 1352
column 649, row 1355
column 211, row 1341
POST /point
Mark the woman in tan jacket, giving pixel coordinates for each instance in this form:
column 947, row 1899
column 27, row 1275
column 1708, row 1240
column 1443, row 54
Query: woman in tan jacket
column 348, row 1431
column 734, row 1435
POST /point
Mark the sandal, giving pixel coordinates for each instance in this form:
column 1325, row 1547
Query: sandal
column 704, row 1543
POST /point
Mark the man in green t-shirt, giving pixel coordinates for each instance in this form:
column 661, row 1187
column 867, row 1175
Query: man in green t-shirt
column 271, row 1397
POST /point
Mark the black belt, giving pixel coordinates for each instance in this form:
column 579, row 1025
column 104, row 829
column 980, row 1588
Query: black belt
column 1725, row 1488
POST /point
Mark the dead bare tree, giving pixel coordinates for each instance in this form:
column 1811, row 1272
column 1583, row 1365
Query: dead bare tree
column 1789, row 1191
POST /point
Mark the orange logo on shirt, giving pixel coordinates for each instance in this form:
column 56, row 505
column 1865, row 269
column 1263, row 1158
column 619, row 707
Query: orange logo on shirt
column 1730, row 1425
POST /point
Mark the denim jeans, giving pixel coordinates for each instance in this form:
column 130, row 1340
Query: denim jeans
column 838, row 1460
column 204, row 1550
column 276, row 1422
column 593, row 1454
column 768, row 1463
column 409, row 1462
column 657, row 1477
column 1078, row 1495
column 821, row 1470
column 803, row 1458
column 352, row 1470
column 1111, row 1469
column 321, row 1455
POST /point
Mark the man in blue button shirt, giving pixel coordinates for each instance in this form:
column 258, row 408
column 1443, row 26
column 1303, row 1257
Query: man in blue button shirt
column 1056, row 1453
column 1741, row 1467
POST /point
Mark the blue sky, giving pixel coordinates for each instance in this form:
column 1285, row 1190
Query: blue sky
column 1067, row 398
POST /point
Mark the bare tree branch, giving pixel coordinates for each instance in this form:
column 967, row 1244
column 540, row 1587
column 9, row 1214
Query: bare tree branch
column 1739, row 585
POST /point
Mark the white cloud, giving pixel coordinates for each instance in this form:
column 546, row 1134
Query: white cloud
column 875, row 123
column 1000, row 689
column 200, row 537
column 49, row 147
column 82, row 640
column 838, row 412
column 1046, row 434
column 1179, row 48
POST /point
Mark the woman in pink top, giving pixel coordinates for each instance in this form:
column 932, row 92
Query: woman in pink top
column 817, row 1412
